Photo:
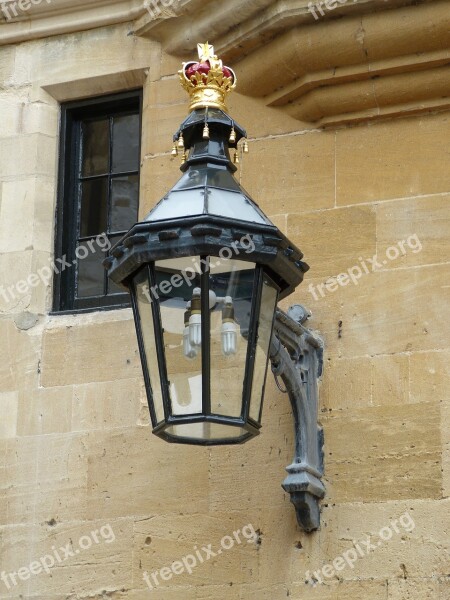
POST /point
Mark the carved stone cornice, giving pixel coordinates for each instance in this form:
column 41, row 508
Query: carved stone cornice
column 55, row 17
column 362, row 60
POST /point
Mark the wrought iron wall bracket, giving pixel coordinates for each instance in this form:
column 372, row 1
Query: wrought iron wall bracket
column 297, row 359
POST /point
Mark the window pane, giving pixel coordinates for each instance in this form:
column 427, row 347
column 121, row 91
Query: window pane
column 95, row 154
column 91, row 274
column 126, row 143
column 124, row 202
column 94, row 198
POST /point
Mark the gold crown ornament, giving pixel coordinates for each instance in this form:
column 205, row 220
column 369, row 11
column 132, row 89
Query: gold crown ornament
column 207, row 82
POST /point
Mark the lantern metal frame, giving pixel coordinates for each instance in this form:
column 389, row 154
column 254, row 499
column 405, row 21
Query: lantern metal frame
column 244, row 421
column 295, row 352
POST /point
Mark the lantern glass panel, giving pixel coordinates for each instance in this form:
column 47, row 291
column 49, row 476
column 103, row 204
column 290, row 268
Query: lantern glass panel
column 179, row 204
column 206, row 431
column 232, row 289
column 233, row 205
column 176, row 283
column 269, row 297
column 144, row 322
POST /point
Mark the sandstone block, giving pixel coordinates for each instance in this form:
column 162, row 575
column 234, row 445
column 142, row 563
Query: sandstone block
column 84, row 354
column 407, row 158
column 132, row 472
column 394, row 453
column 294, row 173
column 422, row 222
column 8, row 410
column 108, row 405
column 385, row 312
column 44, row 411
column 333, row 240
column 28, row 156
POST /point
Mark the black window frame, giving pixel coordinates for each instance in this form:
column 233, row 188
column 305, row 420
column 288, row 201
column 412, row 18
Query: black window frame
column 68, row 205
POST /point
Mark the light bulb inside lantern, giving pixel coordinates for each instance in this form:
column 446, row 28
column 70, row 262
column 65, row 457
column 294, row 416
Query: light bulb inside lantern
column 230, row 328
column 188, row 350
column 195, row 320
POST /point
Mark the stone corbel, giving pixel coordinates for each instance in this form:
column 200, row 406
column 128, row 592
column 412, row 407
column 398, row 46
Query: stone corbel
column 297, row 359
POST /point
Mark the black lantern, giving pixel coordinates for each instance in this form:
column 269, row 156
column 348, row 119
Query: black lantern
column 205, row 270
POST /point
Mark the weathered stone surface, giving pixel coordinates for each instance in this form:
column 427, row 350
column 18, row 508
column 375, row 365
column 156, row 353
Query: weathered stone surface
column 84, row 354
column 132, row 473
column 326, row 241
column 19, row 364
column 409, row 589
column 109, row 405
column 45, row 411
column 305, row 160
column 394, row 454
column 28, row 156
column 383, row 312
column 8, row 410
column 418, row 229
column 159, row 546
column 399, row 159
column 100, row 557
column 333, row 590
column 158, row 175
column 45, row 479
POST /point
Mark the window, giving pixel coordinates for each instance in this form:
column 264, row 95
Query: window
column 98, row 197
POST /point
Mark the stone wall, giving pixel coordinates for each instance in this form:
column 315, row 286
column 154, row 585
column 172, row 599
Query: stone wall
column 80, row 469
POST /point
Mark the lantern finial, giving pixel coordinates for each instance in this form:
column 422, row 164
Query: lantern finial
column 207, row 82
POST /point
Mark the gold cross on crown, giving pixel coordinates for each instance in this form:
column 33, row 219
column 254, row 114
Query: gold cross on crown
column 205, row 51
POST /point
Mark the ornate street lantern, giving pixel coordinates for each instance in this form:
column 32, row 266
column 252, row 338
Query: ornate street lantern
column 205, row 270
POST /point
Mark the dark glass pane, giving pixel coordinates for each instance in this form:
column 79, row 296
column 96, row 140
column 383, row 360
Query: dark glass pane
column 91, row 274
column 206, row 176
column 95, row 158
column 126, row 142
column 124, row 202
column 114, row 289
column 94, row 198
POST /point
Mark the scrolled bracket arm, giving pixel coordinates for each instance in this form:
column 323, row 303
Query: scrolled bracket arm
column 297, row 359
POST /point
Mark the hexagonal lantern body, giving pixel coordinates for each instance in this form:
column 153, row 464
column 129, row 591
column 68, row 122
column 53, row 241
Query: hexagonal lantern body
column 205, row 270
